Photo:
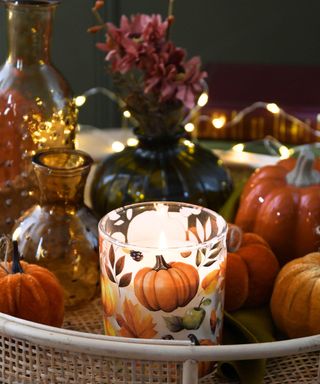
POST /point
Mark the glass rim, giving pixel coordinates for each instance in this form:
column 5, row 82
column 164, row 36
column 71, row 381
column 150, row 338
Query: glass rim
column 204, row 244
column 38, row 162
column 31, row 3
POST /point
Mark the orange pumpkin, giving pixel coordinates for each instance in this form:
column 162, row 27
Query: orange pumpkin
column 204, row 367
column 281, row 203
column 295, row 302
column 30, row 292
column 166, row 286
column 251, row 270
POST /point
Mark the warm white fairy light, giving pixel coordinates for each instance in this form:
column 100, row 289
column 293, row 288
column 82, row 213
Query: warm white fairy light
column 238, row 147
column 132, row 142
column 127, row 114
column 188, row 143
column 285, row 152
column 80, row 100
column 189, row 127
column 273, row 108
column 203, row 99
column 117, row 146
column 219, row 122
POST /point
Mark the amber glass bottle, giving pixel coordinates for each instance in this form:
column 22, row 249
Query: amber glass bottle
column 60, row 232
column 36, row 104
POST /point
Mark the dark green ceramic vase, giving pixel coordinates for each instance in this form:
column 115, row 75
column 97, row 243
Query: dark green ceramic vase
column 160, row 168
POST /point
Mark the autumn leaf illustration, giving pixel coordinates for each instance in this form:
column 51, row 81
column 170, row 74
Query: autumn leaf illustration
column 108, row 328
column 115, row 268
column 185, row 254
column 213, row 321
column 133, row 323
column 111, row 256
column 209, row 283
column 109, row 296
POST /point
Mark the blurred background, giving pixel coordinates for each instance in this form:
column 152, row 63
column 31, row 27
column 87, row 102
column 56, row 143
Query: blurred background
column 273, row 32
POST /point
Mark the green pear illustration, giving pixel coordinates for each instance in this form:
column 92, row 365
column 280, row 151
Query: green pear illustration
column 194, row 317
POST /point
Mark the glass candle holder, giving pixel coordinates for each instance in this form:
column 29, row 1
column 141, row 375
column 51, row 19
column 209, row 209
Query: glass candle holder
column 162, row 271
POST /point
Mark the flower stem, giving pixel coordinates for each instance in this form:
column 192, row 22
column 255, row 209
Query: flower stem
column 170, row 8
column 99, row 18
column 170, row 18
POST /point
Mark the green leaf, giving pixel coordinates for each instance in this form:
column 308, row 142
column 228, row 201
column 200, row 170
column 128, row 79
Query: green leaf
column 206, row 302
column 229, row 209
column 174, row 323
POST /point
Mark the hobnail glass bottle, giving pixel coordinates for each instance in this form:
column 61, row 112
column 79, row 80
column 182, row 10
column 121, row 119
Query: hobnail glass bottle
column 60, row 232
column 36, row 105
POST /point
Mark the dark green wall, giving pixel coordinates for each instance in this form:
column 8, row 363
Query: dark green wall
column 272, row 31
column 253, row 31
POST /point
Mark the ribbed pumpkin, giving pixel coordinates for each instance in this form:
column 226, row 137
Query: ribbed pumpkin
column 295, row 301
column 30, row 292
column 281, row 203
column 251, row 270
column 166, row 286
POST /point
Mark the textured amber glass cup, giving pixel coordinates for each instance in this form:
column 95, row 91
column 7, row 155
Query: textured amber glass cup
column 162, row 271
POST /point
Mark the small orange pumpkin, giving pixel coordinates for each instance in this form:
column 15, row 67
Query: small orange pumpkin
column 295, row 301
column 204, row 367
column 30, row 292
column 166, row 286
column 281, row 203
column 251, row 270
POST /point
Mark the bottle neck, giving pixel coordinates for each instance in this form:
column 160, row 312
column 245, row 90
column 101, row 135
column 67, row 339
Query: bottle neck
column 158, row 142
column 58, row 189
column 61, row 175
column 29, row 32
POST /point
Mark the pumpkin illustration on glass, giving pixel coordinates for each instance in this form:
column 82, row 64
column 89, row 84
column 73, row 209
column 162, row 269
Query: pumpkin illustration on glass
column 166, row 286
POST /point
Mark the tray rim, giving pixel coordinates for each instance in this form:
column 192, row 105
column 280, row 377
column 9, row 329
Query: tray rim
column 148, row 349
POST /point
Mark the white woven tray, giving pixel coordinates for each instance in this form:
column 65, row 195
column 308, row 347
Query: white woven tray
column 79, row 353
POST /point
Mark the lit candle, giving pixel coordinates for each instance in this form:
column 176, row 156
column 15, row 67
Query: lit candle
column 162, row 267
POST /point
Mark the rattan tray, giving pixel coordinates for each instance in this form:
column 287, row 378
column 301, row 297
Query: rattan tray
column 79, row 353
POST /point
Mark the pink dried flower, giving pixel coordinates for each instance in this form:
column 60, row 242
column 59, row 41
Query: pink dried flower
column 190, row 83
column 139, row 47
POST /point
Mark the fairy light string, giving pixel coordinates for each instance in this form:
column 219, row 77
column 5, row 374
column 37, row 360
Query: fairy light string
column 272, row 145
